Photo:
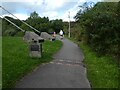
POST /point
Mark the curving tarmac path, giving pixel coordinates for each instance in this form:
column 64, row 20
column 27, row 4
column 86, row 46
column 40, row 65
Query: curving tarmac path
column 65, row 71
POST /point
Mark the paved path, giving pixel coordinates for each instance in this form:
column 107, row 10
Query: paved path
column 65, row 71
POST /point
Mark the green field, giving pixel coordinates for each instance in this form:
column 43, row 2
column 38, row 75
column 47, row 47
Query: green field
column 16, row 60
column 0, row 62
column 102, row 71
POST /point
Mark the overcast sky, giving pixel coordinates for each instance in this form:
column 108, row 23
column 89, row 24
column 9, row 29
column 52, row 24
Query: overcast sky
column 54, row 9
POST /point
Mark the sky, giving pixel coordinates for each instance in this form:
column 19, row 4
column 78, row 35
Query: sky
column 54, row 9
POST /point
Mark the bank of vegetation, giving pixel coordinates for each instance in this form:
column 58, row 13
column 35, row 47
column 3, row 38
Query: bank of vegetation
column 97, row 31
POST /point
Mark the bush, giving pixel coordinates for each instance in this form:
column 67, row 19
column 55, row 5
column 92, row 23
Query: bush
column 101, row 27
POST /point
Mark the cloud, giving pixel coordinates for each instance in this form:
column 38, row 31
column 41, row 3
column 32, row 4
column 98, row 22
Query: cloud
column 42, row 7
column 50, row 8
column 54, row 4
column 21, row 16
column 15, row 7
column 50, row 14
column 73, row 10
column 21, row 1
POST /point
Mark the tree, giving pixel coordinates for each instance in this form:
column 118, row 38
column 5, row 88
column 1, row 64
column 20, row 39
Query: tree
column 57, row 25
column 83, row 9
column 101, row 27
column 8, row 29
column 34, row 15
column 41, row 24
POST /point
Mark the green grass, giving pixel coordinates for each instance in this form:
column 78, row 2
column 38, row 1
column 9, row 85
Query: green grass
column 102, row 71
column 0, row 62
column 16, row 61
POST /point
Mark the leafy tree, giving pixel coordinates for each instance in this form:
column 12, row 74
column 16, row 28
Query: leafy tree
column 57, row 25
column 41, row 24
column 34, row 15
column 8, row 29
column 100, row 25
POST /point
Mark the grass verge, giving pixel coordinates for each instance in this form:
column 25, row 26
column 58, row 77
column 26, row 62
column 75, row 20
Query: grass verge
column 16, row 61
column 102, row 71
column 0, row 62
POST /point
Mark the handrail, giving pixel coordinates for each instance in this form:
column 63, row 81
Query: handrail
column 13, row 24
column 20, row 20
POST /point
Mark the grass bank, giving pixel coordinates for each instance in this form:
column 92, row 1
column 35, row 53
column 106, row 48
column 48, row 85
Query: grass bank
column 0, row 62
column 102, row 72
column 16, row 61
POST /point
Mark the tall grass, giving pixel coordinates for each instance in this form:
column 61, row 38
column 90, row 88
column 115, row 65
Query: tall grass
column 16, row 60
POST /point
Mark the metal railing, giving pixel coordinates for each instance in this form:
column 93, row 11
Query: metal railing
column 18, row 19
